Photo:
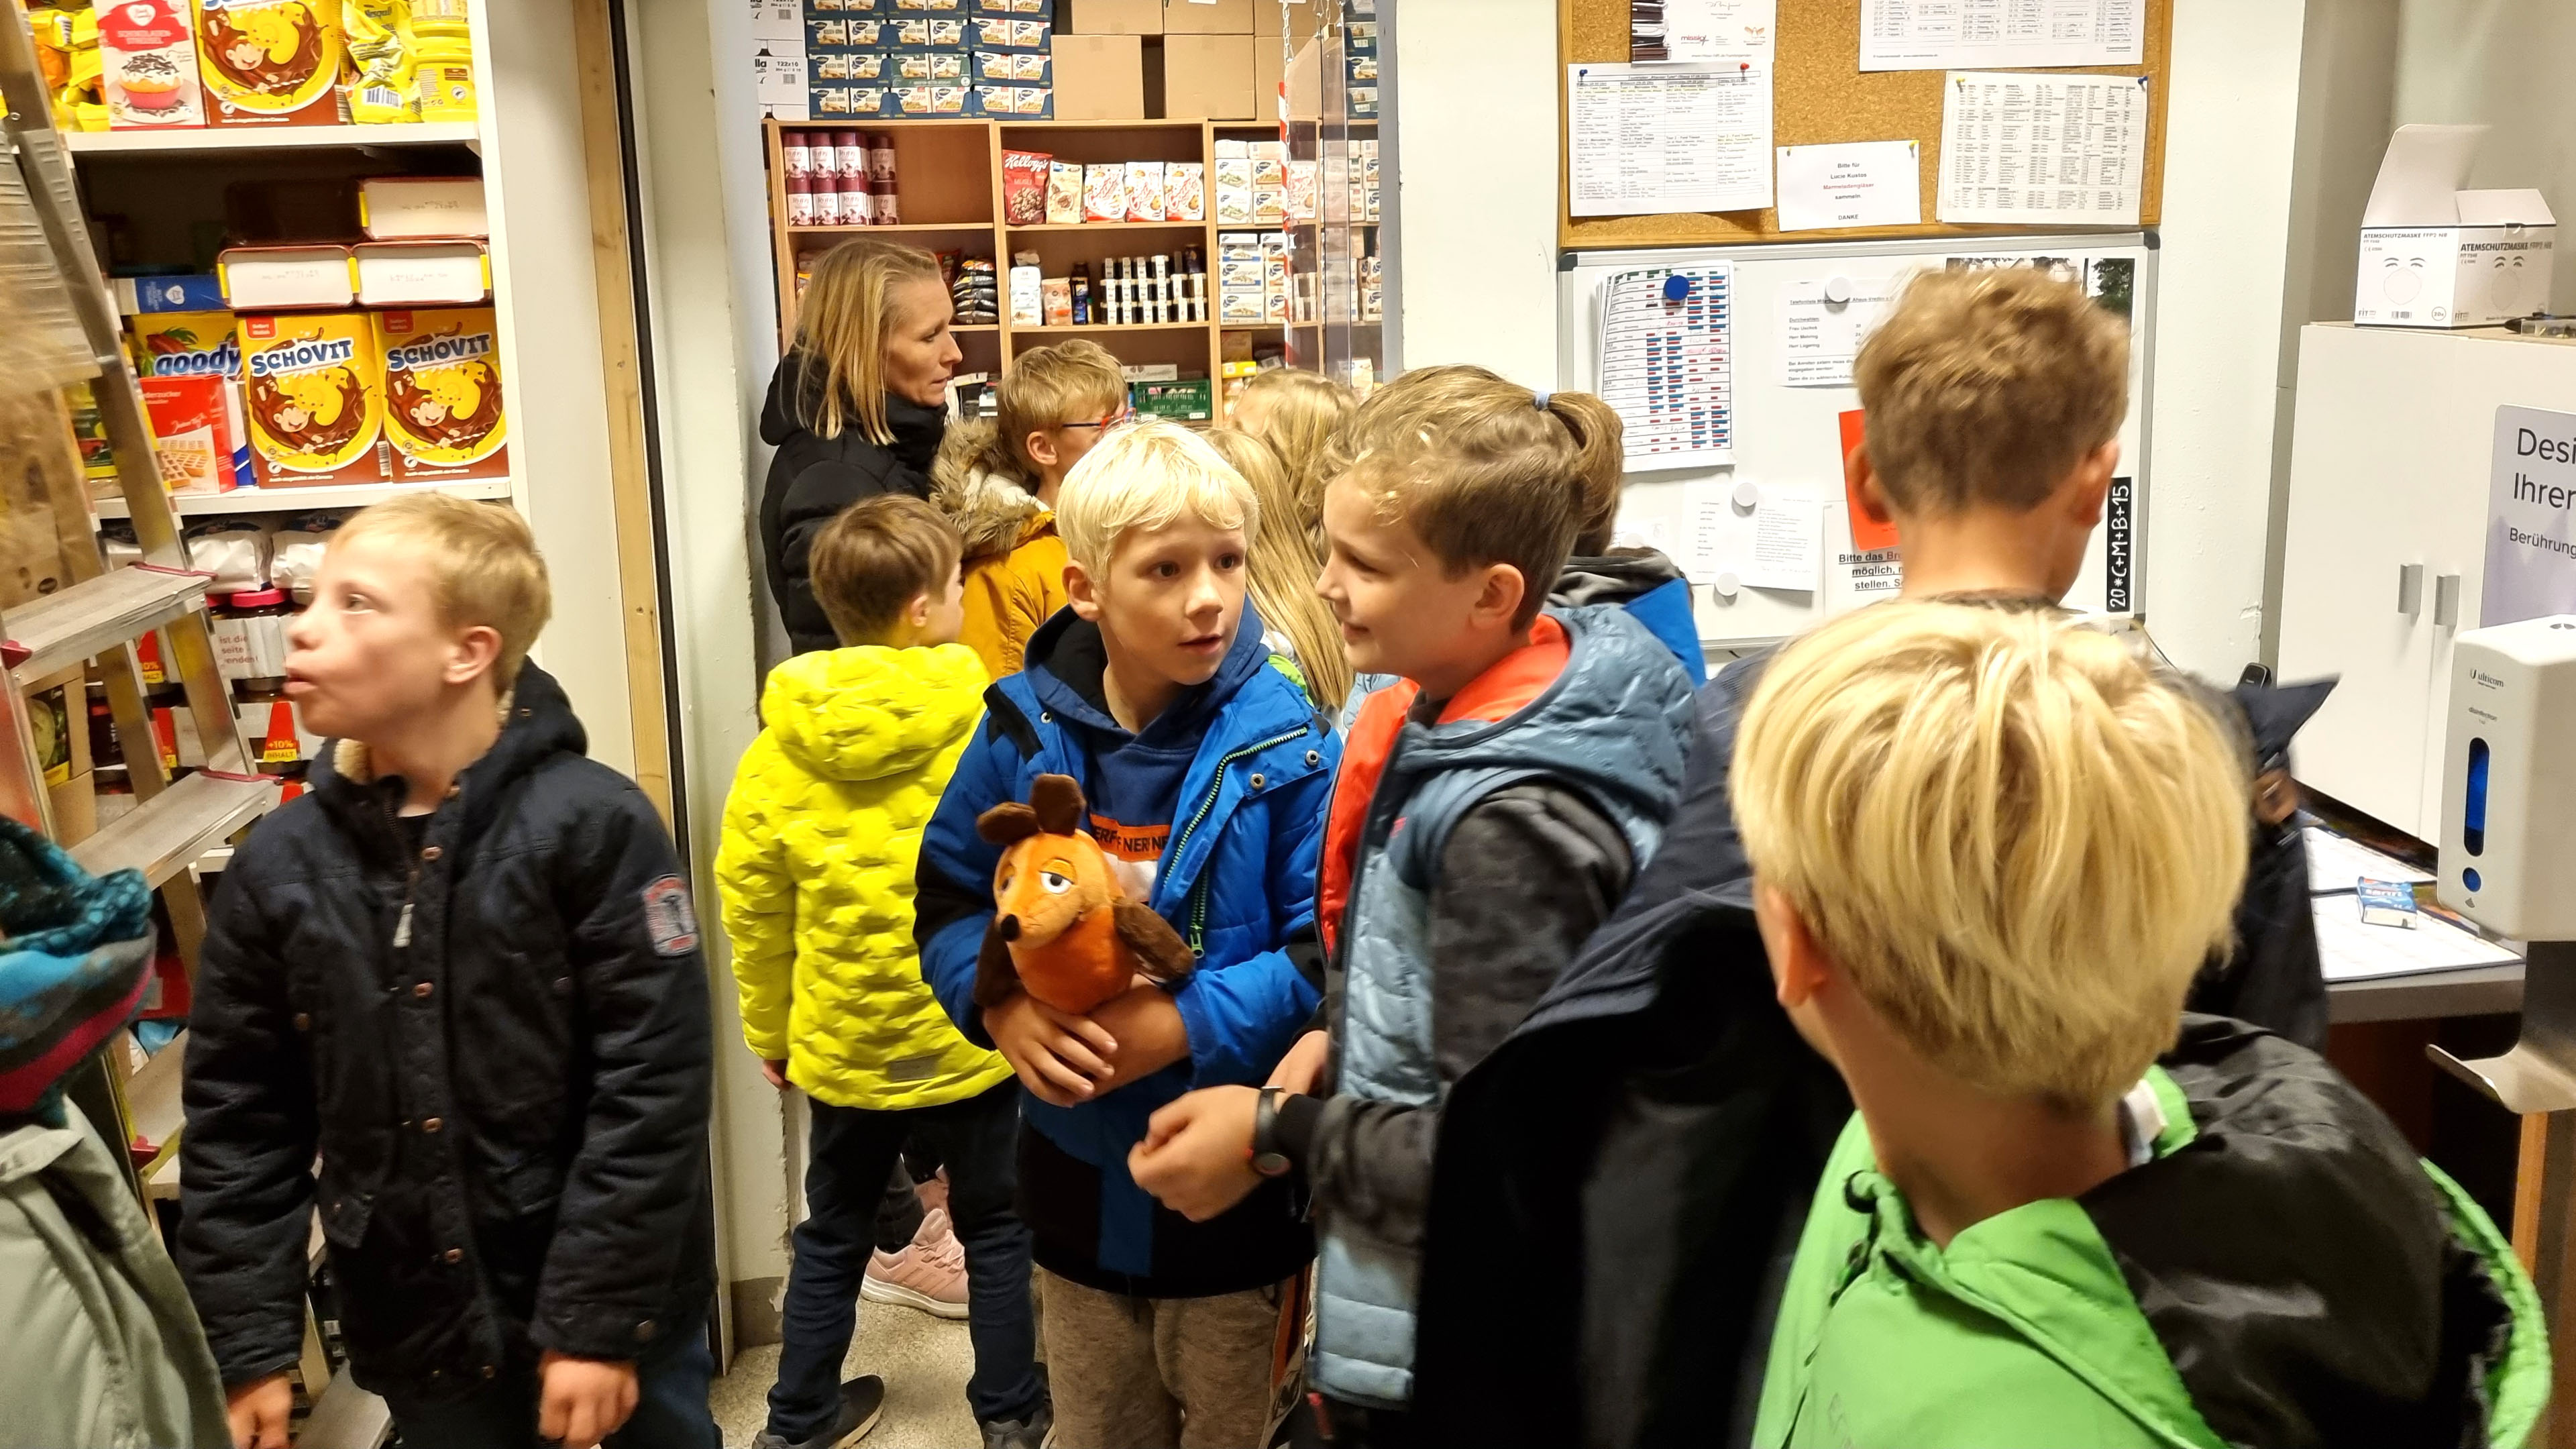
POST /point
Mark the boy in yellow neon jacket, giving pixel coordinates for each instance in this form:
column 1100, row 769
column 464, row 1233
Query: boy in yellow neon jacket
column 822, row 833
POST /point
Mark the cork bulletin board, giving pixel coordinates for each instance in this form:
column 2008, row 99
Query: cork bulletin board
column 1821, row 95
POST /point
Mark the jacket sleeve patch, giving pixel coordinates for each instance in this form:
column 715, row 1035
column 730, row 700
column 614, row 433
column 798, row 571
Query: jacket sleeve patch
column 669, row 918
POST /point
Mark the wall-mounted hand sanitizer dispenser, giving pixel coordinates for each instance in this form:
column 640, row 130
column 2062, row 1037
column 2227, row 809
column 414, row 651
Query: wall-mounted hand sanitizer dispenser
column 2509, row 782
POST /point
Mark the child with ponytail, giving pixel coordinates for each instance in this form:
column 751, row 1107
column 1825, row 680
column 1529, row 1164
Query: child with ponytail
column 1531, row 754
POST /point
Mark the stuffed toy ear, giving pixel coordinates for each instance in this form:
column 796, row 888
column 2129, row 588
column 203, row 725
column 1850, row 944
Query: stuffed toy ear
column 1006, row 823
column 1057, row 799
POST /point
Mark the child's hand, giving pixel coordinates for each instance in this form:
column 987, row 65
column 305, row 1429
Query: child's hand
column 1303, row 1067
column 583, row 1400
column 1061, row 1058
column 1197, row 1154
column 258, row 1411
column 775, row 1070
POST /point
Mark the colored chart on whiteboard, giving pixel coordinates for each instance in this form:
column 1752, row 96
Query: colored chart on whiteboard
column 1667, row 363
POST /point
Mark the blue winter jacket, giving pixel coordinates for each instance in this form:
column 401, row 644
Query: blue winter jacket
column 1237, row 880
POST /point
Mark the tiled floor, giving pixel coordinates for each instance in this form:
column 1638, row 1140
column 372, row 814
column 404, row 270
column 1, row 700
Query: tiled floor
column 924, row 1361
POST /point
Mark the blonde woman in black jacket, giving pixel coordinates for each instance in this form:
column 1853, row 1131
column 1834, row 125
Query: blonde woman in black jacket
column 857, row 407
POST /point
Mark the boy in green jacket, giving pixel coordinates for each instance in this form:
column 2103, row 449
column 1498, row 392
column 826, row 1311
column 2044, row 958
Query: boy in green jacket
column 1990, row 852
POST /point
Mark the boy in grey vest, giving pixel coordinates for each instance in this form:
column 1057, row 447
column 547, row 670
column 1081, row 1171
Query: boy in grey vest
column 1493, row 805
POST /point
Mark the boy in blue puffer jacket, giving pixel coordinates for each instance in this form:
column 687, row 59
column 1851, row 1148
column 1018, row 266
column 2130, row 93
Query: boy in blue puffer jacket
column 1206, row 774
column 1494, row 804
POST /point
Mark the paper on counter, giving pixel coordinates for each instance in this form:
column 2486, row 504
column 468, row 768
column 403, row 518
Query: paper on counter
column 2335, row 862
column 2351, row 951
column 1788, row 541
column 1853, row 183
column 1820, row 338
column 1656, row 138
column 1945, row 34
column 2042, row 149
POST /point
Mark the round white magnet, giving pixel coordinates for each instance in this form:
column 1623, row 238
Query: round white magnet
column 1838, row 290
column 1747, row 496
column 1726, row 587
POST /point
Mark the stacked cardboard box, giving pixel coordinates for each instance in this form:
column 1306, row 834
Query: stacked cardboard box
column 1159, row 59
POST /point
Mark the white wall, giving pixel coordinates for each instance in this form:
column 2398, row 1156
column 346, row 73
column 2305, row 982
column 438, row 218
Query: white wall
column 1476, row 181
column 2232, row 129
column 2503, row 62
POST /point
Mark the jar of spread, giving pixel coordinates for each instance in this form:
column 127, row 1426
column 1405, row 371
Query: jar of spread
column 262, row 615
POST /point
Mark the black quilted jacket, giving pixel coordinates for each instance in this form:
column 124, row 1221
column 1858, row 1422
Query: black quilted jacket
column 507, row 1082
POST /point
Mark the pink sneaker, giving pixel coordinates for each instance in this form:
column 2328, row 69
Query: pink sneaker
column 929, row 1274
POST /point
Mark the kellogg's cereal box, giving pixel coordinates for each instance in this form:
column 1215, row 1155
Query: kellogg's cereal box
column 443, row 410
column 270, row 62
column 148, row 65
column 314, row 392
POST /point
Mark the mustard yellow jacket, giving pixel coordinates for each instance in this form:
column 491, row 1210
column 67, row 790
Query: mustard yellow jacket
column 815, row 875
column 1014, row 560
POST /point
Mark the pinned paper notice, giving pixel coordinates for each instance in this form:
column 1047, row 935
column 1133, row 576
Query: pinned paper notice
column 1788, row 542
column 1657, row 138
column 1821, row 326
column 2023, row 148
column 1859, row 183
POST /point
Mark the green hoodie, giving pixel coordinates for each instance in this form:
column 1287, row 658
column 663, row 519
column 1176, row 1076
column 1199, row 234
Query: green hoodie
column 2320, row 1288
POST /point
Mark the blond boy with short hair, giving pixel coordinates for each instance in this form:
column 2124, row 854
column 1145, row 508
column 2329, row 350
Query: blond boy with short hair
column 464, row 968
column 1206, row 774
column 822, row 834
column 1991, row 851
column 998, row 484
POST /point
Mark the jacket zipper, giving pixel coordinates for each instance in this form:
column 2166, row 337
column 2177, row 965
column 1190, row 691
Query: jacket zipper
column 411, row 881
column 1216, row 787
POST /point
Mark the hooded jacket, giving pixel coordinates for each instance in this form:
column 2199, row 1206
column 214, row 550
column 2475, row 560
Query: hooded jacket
column 1014, row 560
column 1236, row 879
column 496, row 1036
column 812, row 478
column 1651, row 588
column 1581, row 734
column 1685, row 1173
column 2355, row 1295
column 822, row 834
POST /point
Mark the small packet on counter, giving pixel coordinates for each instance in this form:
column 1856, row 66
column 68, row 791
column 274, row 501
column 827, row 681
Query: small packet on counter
column 1144, row 191
column 1104, row 192
column 1234, row 194
column 1185, row 191
column 1302, row 191
column 1028, row 297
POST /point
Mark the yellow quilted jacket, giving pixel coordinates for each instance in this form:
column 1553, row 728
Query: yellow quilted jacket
column 821, row 835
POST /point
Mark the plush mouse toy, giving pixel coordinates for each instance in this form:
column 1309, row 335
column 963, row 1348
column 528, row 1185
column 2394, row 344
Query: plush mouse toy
column 1062, row 929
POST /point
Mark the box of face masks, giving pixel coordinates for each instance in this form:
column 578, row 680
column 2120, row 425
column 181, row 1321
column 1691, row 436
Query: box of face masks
column 2436, row 255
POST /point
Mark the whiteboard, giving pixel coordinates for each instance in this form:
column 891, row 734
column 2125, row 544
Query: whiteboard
column 1789, row 437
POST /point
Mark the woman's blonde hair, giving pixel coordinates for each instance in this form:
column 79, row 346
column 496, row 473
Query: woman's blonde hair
column 1486, row 471
column 2017, row 843
column 1301, row 412
column 1145, row 475
column 1284, row 568
column 842, row 324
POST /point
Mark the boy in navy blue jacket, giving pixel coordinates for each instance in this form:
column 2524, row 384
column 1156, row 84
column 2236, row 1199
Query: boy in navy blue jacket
column 1206, row 775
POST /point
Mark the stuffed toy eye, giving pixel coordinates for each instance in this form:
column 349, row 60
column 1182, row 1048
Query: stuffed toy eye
column 1055, row 884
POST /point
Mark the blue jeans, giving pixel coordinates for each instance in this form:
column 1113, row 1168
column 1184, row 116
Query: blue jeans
column 851, row 1152
column 670, row 1406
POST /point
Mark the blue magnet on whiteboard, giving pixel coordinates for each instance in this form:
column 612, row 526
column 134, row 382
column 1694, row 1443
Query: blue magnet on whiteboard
column 1677, row 288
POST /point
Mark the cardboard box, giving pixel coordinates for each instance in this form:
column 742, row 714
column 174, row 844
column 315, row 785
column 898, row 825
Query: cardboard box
column 1213, row 17
column 148, row 66
column 1207, row 77
column 1303, row 19
column 259, row 279
column 1099, row 78
column 2435, row 255
column 1116, row 17
column 422, row 273
column 315, row 392
column 444, row 410
column 271, row 65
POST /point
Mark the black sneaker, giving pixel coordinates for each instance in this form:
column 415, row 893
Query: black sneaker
column 862, row 1403
column 1037, row 1431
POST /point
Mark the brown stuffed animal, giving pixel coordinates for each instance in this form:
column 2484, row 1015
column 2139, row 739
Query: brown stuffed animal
column 1062, row 929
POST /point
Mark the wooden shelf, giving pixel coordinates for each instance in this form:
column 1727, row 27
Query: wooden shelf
column 976, row 327
column 1008, row 125
column 1112, row 226
column 267, row 138
column 293, row 500
column 1111, row 327
column 909, row 226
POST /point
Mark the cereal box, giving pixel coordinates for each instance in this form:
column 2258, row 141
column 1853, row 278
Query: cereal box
column 1185, row 191
column 443, row 411
column 192, row 432
column 147, row 58
column 1144, row 191
column 314, row 393
column 270, row 62
column 1024, row 187
column 1104, row 192
column 1064, row 193
column 173, row 345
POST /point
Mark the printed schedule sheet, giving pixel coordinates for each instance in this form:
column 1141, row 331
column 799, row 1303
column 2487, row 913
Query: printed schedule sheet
column 2023, row 148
